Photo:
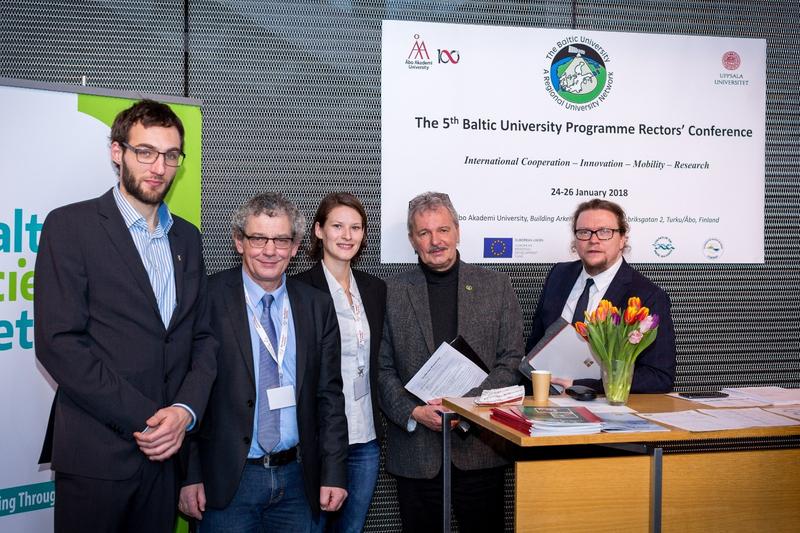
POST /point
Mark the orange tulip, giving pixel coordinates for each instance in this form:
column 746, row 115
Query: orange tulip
column 602, row 312
column 580, row 327
column 642, row 314
column 634, row 302
column 630, row 315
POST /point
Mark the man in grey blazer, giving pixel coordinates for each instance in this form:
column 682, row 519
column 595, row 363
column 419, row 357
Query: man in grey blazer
column 440, row 298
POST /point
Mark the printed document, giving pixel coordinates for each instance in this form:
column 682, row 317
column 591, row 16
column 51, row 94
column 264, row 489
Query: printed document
column 772, row 395
column 447, row 373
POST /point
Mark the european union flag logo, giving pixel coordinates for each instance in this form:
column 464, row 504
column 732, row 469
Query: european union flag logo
column 498, row 247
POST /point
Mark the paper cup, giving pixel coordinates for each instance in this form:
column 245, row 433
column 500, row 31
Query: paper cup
column 541, row 385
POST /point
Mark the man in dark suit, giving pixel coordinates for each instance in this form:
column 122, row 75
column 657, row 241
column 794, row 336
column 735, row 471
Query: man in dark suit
column 121, row 326
column 434, row 302
column 272, row 450
column 601, row 237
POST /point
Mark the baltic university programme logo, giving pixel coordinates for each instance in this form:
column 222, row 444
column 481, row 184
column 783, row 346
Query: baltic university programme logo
column 577, row 78
column 498, row 247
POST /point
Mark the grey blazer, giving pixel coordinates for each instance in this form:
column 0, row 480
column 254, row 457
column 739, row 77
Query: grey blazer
column 490, row 320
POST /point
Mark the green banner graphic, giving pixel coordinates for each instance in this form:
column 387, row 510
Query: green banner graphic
column 25, row 498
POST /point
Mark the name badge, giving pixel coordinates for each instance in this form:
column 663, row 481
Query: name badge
column 360, row 386
column 280, row 397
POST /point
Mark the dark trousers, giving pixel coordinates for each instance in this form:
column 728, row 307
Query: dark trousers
column 477, row 497
column 146, row 502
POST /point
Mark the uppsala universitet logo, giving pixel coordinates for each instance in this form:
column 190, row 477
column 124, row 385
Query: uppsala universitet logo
column 578, row 78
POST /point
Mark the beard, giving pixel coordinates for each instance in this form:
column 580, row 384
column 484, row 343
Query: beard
column 135, row 188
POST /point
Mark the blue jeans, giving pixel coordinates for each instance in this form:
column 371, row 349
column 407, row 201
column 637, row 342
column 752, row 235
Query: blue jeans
column 268, row 499
column 362, row 476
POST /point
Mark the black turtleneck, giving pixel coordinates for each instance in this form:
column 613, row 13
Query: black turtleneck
column 443, row 301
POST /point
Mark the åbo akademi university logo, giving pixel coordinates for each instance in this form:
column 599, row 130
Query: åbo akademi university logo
column 577, row 77
column 419, row 58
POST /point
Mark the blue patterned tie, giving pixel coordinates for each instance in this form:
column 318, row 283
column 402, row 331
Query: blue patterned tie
column 268, row 420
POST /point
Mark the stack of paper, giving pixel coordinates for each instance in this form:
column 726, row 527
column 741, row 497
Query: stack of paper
column 513, row 395
column 562, row 420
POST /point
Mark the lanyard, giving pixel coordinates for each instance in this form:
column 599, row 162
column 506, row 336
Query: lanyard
column 265, row 339
column 361, row 337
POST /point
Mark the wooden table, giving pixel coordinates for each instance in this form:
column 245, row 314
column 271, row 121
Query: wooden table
column 742, row 490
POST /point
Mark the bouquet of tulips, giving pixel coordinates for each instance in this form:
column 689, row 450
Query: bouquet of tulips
column 617, row 340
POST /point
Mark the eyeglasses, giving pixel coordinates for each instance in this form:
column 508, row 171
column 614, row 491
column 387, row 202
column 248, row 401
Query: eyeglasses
column 604, row 234
column 257, row 241
column 148, row 156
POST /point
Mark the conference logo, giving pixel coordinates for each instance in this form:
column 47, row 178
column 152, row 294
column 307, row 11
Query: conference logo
column 577, row 77
column 418, row 57
column 498, row 247
column 663, row 246
column 712, row 249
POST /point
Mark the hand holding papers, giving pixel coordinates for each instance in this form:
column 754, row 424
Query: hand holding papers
column 563, row 352
column 447, row 372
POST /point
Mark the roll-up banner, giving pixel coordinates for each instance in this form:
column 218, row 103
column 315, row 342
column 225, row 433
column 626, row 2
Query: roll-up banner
column 54, row 150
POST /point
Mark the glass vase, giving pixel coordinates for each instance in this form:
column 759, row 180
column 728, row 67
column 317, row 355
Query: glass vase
column 617, row 376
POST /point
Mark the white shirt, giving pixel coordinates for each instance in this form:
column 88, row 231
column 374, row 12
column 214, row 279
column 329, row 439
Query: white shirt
column 355, row 358
column 596, row 291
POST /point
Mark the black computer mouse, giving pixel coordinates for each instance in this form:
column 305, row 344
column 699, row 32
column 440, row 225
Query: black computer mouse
column 582, row 393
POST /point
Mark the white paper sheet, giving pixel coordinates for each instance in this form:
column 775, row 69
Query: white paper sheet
column 730, row 401
column 751, row 417
column 719, row 419
column 598, row 405
column 447, row 372
column 770, row 395
column 791, row 412
column 690, row 421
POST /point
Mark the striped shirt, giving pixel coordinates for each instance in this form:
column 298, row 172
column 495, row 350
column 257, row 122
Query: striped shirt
column 154, row 251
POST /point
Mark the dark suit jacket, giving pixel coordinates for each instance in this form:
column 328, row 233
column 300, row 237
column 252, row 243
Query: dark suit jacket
column 373, row 296
column 490, row 320
column 218, row 452
column 100, row 336
column 655, row 367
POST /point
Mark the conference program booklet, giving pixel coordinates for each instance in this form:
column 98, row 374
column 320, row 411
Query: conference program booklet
column 549, row 421
column 556, row 419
